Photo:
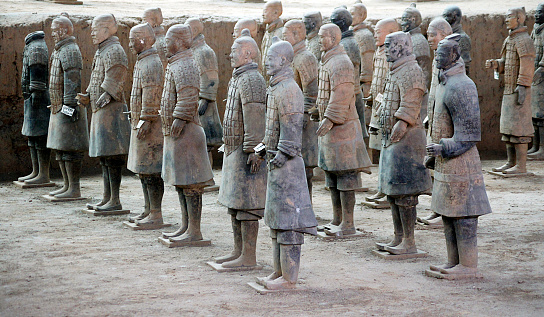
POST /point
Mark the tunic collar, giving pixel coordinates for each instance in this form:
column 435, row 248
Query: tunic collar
column 299, row 47
column 457, row 28
column 198, row 41
column 457, row 68
column 415, row 30
column 180, row 55
column 312, row 34
column 244, row 68
column 67, row 40
column 348, row 33
column 278, row 23
column 282, row 75
column 360, row 26
column 326, row 56
column 518, row 30
column 34, row 36
column 538, row 28
column 401, row 61
column 159, row 30
column 147, row 52
column 110, row 41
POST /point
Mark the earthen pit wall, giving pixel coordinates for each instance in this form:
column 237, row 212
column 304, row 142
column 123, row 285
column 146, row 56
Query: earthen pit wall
column 487, row 33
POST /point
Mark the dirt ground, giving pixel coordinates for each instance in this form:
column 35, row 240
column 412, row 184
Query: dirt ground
column 57, row 261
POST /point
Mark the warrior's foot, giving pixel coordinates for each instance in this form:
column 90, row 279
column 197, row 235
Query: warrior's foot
column 434, row 222
column 340, row 231
column 396, row 241
column 59, row 191
column 99, row 204
column 29, row 176
column 110, row 206
column 515, row 170
column 176, row 233
column 375, row 197
column 440, row 267
column 69, row 194
column 240, row 262
column 279, row 284
column 403, row 248
column 187, row 237
column 502, row 168
column 150, row 220
column 139, row 217
column 431, row 216
column 326, row 226
column 459, row 269
column 263, row 280
column 226, row 258
column 536, row 156
column 40, row 179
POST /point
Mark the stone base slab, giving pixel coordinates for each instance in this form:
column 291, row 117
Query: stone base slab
column 213, row 188
column 323, row 236
column 24, row 185
column 376, row 205
column 177, row 244
column 263, row 290
column 388, row 256
column 221, row 269
column 439, row 275
column 154, row 226
column 56, row 199
column 500, row 174
column 92, row 212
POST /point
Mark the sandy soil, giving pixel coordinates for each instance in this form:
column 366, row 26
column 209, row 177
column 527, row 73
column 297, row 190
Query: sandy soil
column 57, row 261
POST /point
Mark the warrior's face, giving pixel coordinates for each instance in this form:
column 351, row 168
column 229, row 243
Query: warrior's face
column 99, row 32
column 449, row 16
column 274, row 63
column 511, row 21
column 408, row 21
column 392, row 49
column 238, row 55
column 379, row 35
column 310, row 24
column 326, row 41
column 58, row 32
column 445, row 57
column 136, row 43
column 270, row 14
column 171, row 44
column 539, row 14
column 289, row 36
column 433, row 37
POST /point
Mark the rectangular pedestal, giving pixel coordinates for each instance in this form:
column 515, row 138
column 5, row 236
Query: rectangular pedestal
column 213, row 188
column 24, row 185
column 106, row 213
column 388, row 256
column 263, row 290
column 55, row 199
column 380, row 205
column 436, row 274
column 425, row 226
column 510, row 175
column 199, row 243
column 72, row 2
column 361, row 190
column 323, row 236
column 134, row 226
column 220, row 269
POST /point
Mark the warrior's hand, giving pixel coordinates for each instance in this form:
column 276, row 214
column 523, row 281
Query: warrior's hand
column 104, row 99
column 83, row 100
column 429, row 162
column 434, row 149
column 255, row 161
column 202, row 106
column 279, row 160
column 522, row 94
column 324, row 127
column 373, row 131
column 144, row 129
column 491, row 63
column 399, row 130
column 314, row 114
column 177, row 127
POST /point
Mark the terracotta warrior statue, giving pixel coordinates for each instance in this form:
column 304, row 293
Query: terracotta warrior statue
column 206, row 61
column 364, row 36
column 305, row 67
column 274, row 26
column 537, row 88
column 453, row 15
column 459, row 193
column 110, row 127
column 185, row 163
column 68, row 127
column 243, row 183
column 145, row 153
column 153, row 16
column 517, row 65
column 342, row 18
column 339, row 131
column 313, row 21
column 377, row 89
column 288, row 210
column 34, row 84
column 411, row 22
column 253, row 28
column 402, row 174
column 437, row 31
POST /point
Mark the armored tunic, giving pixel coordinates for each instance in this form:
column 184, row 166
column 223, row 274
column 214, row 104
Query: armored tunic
column 517, row 64
column 377, row 87
column 65, row 133
column 160, row 44
column 288, row 205
column 537, row 88
column 243, row 129
column 273, row 29
column 432, row 98
column 34, row 84
column 342, row 149
column 367, row 46
column 459, row 189
column 465, row 45
column 110, row 128
column 185, row 158
column 352, row 50
column 206, row 62
column 312, row 43
column 145, row 156
column 401, row 163
column 305, row 71
column 422, row 52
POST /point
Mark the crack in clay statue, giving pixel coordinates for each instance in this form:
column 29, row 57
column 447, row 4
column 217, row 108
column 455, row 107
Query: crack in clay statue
column 288, row 209
column 364, row 35
column 145, row 153
column 274, row 27
column 305, row 67
column 206, row 61
column 110, row 127
column 342, row 152
column 437, row 31
column 377, row 89
column 459, row 193
column 453, row 15
column 34, row 84
column 517, row 65
column 68, row 134
column 343, row 19
column 185, row 162
column 402, row 174
column 153, row 16
column 243, row 183
column 313, row 21
column 253, row 28
column 537, row 88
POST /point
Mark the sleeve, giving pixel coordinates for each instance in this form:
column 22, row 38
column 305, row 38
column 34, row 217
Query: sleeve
column 451, row 148
column 38, row 77
column 308, row 76
column 412, row 88
column 526, row 52
column 116, row 64
column 291, row 121
column 254, row 124
column 152, row 85
column 501, row 60
column 186, row 105
column 72, row 85
column 209, row 75
column 341, row 95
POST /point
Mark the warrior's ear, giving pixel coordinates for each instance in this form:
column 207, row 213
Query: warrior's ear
column 275, row 40
column 245, row 32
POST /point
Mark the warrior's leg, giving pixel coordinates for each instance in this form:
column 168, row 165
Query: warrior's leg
column 467, row 244
column 538, row 155
column 331, row 182
column 407, row 211
column 521, row 160
column 511, row 158
column 155, row 191
column 397, row 225
column 194, row 211
column 290, row 247
column 35, row 166
column 184, row 216
column 346, row 227
column 106, row 184
column 250, row 230
column 145, row 213
column 451, row 245
column 276, row 258
column 309, row 175
column 65, row 181
column 536, row 140
column 73, row 172
column 237, row 233
column 44, row 161
column 115, row 167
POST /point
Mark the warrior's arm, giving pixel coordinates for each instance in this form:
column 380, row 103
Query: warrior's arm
column 114, row 80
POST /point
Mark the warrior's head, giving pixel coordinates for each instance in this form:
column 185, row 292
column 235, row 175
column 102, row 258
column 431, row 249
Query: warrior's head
column 280, row 56
column 196, row 26
column 141, row 38
column 411, row 18
column 103, row 27
column 437, row 31
column 453, row 15
column 539, row 14
column 294, row 31
column 329, row 36
column 397, row 45
column 61, row 28
column 515, row 18
column 313, row 21
column 249, row 24
column 244, row 50
column 448, row 52
column 358, row 13
column 153, row 16
column 383, row 28
column 178, row 39
column 272, row 11
column 341, row 17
